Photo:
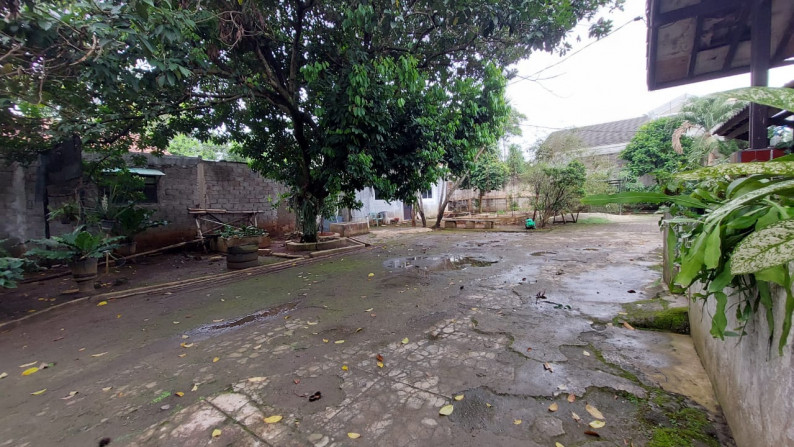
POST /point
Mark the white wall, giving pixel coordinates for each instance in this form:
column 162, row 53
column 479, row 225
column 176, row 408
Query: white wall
column 395, row 207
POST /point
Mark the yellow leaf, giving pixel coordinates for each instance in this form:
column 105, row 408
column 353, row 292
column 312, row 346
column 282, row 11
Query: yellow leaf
column 325, row 340
column 404, row 341
column 339, row 342
column 575, row 417
column 369, row 310
column 28, row 364
column 488, row 405
column 273, row 419
column 597, row 424
column 29, row 371
column 594, row 411
column 344, row 368
column 554, row 407
column 216, row 433
column 107, row 388
column 359, row 329
column 102, row 303
column 446, row 410
column 215, row 360
column 517, row 421
column 557, row 444
column 353, row 435
column 459, row 397
column 628, row 326
column 99, row 355
column 195, row 387
column 380, row 365
column 3, row 375
column 179, row 394
column 257, row 379
column 118, row 315
column 36, row 393
column 371, row 275
column 186, row 345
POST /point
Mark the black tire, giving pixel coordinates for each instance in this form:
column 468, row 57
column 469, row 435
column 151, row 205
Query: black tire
column 242, row 265
column 239, row 249
column 236, row 258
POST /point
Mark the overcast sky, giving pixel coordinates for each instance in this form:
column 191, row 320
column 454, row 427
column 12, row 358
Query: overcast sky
column 604, row 82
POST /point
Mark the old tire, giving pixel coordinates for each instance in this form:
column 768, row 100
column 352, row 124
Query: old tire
column 242, row 265
column 236, row 258
column 240, row 249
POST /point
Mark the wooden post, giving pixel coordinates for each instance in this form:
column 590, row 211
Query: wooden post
column 759, row 69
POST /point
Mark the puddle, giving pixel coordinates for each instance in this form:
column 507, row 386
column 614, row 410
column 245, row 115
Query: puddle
column 542, row 253
column 259, row 316
column 437, row 263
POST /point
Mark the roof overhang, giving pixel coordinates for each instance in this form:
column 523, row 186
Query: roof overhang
column 698, row 40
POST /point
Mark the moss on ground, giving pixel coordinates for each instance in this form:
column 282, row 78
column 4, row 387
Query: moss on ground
column 655, row 314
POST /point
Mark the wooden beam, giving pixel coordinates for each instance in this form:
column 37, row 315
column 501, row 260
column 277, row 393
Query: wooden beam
column 780, row 53
column 652, row 42
column 759, row 69
column 693, row 57
column 705, row 7
column 736, row 37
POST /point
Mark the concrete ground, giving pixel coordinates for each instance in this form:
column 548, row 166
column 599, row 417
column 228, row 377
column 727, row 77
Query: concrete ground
column 519, row 331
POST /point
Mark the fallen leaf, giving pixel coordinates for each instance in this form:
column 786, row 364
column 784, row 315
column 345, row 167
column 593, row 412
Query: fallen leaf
column 597, row 424
column 195, row 387
column 628, row 326
column 179, row 394
column 373, row 315
column 459, row 397
column 371, row 275
column 554, row 407
column 517, row 421
column 215, row 360
column 594, row 411
column 182, row 355
column 107, row 388
column 316, row 396
column 296, row 381
column 99, row 355
column 592, row 433
column 218, row 320
column 339, row 342
column 257, row 346
column 28, row 364
column 632, row 291
column 547, row 367
column 3, row 375
column 529, row 349
column 344, row 368
column 353, row 435
column 216, row 433
column 379, row 358
column 175, row 322
column 575, row 417
column 29, row 371
column 70, row 395
column 325, row 340
column 185, row 336
column 380, row 364
column 257, row 379
column 312, row 323
column 446, row 410
column 186, row 345
column 273, row 419
column 359, row 329
column 102, row 303
column 404, row 341
column 369, row 310
column 36, row 393
column 488, row 405
column 586, row 354
column 557, row 444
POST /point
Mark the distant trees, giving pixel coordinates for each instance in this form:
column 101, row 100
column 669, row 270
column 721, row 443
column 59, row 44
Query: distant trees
column 187, row 146
column 557, row 188
column 651, row 150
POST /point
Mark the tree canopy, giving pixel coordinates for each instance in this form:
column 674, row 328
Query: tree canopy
column 651, row 149
column 327, row 97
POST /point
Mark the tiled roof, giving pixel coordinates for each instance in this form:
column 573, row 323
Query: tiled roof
column 616, row 132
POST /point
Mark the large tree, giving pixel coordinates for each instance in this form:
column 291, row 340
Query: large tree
column 651, row 151
column 326, row 97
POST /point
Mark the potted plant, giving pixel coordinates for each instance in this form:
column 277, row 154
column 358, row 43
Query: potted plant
column 67, row 213
column 241, row 245
column 130, row 221
column 80, row 249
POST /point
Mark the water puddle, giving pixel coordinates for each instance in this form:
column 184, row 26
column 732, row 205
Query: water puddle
column 259, row 316
column 438, row 263
column 542, row 253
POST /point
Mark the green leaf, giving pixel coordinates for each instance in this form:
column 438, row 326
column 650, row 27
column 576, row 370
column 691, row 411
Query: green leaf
column 780, row 97
column 776, row 274
column 719, row 321
column 787, row 315
column 739, row 170
column 711, row 258
column 641, row 197
column 718, row 214
column 722, row 280
column 765, row 297
column 769, row 247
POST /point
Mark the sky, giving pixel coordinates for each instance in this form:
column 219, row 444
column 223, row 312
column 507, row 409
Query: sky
column 604, row 82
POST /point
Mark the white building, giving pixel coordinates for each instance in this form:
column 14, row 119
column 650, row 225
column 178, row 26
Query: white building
column 396, row 209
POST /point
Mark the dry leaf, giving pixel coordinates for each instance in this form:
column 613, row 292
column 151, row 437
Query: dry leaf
column 107, row 388
column 29, row 371
column 179, row 394
column 547, row 367
column 28, row 364
column 273, row 419
column 557, row 444
column 339, row 342
column 215, row 360
column 594, row 411
column 459, row 397
column 195, row 387
column 353, row 435
column 380, row 364
column 404, row 341
column 627, row 326
column 379, row 358
column 488, row 405
column 186, row 345
column 102, row 303
column 218, row 320
column 3, row 375
column 359, row 329
column 369, row 310
column 70, row 395
column 175, row 322
column 572, row 398
column 36, row 393
column 182, row 355
column 554, row 407
column 185, row 336
column 257, row 346
column 216, row 433
column 312, row 323
column 597, row 424
column 446, row 410
column 296, row 381
column 99, row 355
column 575, row 417
column 371, row 275
column 325, row 340
column 586, row 354
column 344, row 368
column 517, row 421
column 257, row 379
column 592, row 433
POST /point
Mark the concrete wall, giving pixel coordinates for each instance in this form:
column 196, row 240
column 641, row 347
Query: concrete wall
column 754, row 385
column 395, row 207
column 21, row 210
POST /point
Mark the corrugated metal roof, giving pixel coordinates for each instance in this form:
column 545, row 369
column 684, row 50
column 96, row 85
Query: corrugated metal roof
column 615, row 132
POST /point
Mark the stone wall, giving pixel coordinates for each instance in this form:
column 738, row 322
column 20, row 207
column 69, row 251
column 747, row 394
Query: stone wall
column 21, row 208
column 752, row 382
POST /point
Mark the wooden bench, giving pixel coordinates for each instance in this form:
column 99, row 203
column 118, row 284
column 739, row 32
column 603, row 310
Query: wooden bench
column 469, row 222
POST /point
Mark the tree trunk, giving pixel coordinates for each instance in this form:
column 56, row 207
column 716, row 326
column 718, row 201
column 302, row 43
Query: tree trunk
column 306, row 211
column 442, row 205
column 421, row 209
column 479, row 202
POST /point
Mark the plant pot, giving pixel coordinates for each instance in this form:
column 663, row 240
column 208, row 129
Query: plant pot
column 106, row 224
column 222, row 244
column 84, row 273
column 242, row 257
column 125, row 250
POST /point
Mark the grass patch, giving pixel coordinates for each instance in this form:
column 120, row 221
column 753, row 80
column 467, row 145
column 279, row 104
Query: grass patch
column 594, row 220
